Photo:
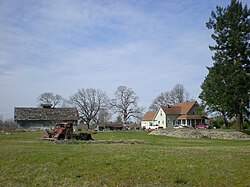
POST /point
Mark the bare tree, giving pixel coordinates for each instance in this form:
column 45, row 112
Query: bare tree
column 89, row 102
column 177, row 95
column 50, row 98
column 162, row 100
column 125, row 103
column 103, row 116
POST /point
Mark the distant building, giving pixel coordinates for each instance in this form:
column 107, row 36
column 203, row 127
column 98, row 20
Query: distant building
column 115, row 126
column 44, row 117
column 109, row 126
column 169, row 116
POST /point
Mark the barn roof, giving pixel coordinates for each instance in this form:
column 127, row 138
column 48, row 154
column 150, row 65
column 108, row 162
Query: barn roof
column 47, row 114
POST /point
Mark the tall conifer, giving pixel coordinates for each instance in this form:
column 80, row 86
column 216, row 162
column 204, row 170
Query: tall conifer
column 226, row 88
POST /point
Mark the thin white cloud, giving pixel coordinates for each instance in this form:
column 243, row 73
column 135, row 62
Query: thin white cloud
column 61, row 46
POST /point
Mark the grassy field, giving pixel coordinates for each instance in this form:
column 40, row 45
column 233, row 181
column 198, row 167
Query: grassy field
column 26, row 160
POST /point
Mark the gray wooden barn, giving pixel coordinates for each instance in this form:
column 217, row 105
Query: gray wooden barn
column 44, row 117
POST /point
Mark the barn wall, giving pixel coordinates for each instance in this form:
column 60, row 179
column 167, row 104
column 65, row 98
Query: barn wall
column 36, row 124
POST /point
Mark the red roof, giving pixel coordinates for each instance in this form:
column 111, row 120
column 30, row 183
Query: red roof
column 185, row 106
column 149, row 116
column 176, row 109
column 171, row 109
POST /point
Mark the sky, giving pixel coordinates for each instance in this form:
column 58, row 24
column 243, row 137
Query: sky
column 61, row 46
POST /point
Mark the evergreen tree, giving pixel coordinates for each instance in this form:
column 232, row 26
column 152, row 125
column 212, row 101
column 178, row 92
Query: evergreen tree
column 226, row 88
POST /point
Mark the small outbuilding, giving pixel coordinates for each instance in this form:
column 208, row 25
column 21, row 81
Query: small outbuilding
column 44, row 117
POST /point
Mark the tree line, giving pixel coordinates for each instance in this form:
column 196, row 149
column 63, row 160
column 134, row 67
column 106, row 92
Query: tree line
column 94, row 106
column 8, row 124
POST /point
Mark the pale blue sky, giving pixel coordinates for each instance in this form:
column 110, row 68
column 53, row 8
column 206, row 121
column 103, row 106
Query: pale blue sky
column 60, row 46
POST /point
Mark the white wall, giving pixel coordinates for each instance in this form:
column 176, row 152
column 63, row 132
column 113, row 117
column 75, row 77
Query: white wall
column 160, row 118
column 149, row 125
column 165, row 121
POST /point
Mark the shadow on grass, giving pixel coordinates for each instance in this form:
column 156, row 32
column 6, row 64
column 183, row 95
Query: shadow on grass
column 181, row 181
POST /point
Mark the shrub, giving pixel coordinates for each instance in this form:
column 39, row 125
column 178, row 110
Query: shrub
column 232, row 124
column 218, row 122
column 246, row 124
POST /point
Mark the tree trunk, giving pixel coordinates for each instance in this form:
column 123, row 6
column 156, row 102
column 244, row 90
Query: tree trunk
column 88, row 122
column 125, row 119
column 225, row 122
column 238, row 122
column 225, row 119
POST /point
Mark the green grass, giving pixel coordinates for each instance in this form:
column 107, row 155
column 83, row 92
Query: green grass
column 26, row 160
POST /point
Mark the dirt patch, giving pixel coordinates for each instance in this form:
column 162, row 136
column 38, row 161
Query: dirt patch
column 100, row 142
column 201, row 133
column 116, row 142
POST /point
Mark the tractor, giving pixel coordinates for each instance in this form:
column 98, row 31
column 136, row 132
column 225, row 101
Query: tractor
column 63, row 131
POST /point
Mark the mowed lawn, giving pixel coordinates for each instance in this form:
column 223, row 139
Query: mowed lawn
column 26, row 160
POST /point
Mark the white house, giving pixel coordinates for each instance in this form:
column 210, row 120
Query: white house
column 177, row 114
column 147, row 121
